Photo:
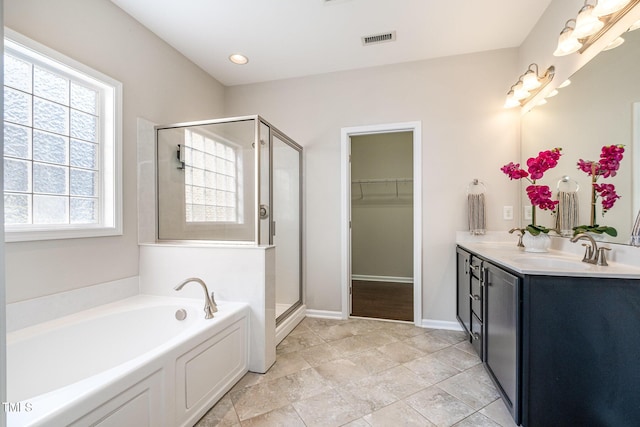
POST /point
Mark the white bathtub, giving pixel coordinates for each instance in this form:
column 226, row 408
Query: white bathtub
column 126, row 363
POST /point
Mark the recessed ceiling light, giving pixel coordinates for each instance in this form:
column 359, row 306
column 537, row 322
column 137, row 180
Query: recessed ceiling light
column 238, row 58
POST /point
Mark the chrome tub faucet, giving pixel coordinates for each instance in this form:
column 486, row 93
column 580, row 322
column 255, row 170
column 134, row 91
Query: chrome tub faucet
column 210, row 306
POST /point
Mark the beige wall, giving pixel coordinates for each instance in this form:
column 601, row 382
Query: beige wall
column 159, row 84
column 466, row 134
column 382, row 213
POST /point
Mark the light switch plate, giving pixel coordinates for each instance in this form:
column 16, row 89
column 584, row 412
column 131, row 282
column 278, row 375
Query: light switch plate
column 527, row 212
column 507, row 212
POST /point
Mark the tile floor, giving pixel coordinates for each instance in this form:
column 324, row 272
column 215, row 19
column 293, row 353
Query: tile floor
column 362, row 373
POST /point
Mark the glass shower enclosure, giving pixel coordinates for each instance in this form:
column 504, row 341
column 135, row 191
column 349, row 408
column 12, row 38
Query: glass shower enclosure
column 234, row 181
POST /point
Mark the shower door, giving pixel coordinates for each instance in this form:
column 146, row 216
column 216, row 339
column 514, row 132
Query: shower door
column 286, row 224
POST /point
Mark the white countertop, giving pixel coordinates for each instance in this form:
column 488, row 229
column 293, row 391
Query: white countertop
column 552, row 263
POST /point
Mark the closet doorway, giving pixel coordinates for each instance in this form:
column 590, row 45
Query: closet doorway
column 381, row 254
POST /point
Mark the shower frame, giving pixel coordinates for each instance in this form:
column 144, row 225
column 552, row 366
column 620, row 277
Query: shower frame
column 258, row 201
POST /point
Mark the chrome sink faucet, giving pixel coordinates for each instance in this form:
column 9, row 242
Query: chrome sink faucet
column 521, row 231
column 592, row 254
column 210, row 306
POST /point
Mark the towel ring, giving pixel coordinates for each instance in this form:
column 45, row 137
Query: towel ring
column 476, row 187
column 566, row 181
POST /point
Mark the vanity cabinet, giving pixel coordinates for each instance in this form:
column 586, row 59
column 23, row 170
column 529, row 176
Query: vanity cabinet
column 562, row 350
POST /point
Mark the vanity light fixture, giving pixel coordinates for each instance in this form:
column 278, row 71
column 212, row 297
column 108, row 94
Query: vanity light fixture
column 591, row 23
column 530, row 78
column 238, row 59
column 587, row 24
column 607, row 7
column 567, row 42
column 528, row 85
column 511, row 100
column 519, row 91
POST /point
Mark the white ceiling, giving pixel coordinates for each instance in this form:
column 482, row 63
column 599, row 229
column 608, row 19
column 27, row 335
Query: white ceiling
column 293, row 38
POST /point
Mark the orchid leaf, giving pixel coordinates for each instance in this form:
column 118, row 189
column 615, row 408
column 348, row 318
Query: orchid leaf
column 534, row 230
column 595, row 229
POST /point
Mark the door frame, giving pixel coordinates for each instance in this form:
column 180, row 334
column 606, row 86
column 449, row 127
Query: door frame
column 345, row 223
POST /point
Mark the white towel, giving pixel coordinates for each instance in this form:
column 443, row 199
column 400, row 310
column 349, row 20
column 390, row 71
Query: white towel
column 476, row 213
column 567, row 215
column 635, row 232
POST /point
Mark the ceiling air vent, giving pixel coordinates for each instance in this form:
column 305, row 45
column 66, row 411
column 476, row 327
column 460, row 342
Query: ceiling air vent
column 379, row 38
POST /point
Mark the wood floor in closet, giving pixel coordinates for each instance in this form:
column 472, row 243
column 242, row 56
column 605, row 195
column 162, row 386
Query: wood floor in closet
column 382, row 300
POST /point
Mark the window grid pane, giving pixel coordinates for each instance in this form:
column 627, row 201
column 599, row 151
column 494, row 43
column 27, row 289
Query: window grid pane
column 50, row 178
column 210, row 176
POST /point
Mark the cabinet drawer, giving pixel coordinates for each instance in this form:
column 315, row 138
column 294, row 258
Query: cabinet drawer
column 477, row 335
column 476, row 297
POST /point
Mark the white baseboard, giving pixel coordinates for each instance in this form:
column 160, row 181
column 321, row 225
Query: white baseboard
column 289, row 324
column 441, row 324
column 393, row 279
column 324, row 314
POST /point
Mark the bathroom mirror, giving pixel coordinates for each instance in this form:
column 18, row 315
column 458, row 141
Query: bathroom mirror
column 595, row 110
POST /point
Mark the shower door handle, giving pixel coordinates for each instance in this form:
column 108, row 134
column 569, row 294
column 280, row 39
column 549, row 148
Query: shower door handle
column 180, row 156
column 264, row 211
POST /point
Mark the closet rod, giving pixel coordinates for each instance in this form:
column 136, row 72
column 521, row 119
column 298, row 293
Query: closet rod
column 382, row 180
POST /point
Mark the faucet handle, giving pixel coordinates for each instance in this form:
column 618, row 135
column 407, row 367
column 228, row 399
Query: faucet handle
column 588, row 252
column 602, row 257
column 214, row 307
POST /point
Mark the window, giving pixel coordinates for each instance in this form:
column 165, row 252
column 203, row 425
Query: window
column 211, row 179
column 62, row 135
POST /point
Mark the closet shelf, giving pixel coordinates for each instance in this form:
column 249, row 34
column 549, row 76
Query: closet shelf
column 392, row 187
column 381, row 180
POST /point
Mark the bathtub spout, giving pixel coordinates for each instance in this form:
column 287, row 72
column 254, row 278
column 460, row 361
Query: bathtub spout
column 209, row 303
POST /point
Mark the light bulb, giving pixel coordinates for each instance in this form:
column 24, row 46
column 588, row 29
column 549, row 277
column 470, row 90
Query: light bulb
column 530, row 80
column 238, row 58
column 587, row 23
column 567, row 43
column 511, row 101
column 607, row 7
column 519, row 92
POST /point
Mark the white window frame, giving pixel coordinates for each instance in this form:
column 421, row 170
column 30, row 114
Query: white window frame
column 110, row 158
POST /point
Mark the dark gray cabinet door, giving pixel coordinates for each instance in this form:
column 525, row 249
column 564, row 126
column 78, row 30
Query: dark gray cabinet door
column 501, row 335
column 581, row 344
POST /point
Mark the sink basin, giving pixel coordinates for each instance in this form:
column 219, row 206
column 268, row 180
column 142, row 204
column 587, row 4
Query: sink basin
column 551, row 263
